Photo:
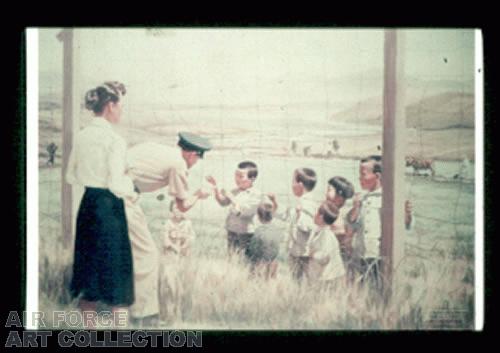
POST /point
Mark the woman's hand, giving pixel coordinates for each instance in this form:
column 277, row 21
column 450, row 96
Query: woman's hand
column 134, row 197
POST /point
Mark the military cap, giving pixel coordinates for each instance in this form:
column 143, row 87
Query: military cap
column 192, row 142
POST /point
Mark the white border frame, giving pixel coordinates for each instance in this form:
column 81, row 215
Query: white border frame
column 32, row 192
column 479, row 182
column 32, row 230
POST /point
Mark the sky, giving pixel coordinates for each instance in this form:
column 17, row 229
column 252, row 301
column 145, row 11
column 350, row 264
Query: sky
column 251, row 66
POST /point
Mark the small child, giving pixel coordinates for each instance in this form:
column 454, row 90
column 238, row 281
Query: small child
column 243, row 202
column 264, row 246
column 301, row 220
column 340, row 190
column 178, row 235
column 325, row 265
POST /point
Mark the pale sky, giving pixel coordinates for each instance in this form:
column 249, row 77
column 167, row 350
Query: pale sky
column 251, row 66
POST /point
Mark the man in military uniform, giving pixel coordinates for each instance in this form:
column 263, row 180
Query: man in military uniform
column 153, row 166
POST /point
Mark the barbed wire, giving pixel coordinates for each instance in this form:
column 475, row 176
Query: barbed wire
column 50, row 210
column 428, row 250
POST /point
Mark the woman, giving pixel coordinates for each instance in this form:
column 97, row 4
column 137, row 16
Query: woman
column 102, row 268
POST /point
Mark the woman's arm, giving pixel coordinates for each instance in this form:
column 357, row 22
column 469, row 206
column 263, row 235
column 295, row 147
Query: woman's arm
column 119, row 183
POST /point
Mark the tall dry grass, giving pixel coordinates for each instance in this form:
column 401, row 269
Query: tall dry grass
column 434, row 287
column 219, row 293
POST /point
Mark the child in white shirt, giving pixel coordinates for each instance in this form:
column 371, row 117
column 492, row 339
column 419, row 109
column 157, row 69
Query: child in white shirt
column 301, row 220
column 243, row 202
column 325, row 265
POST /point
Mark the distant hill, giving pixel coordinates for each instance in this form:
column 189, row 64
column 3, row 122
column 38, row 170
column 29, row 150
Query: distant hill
column 366, row 111
column 440, row 111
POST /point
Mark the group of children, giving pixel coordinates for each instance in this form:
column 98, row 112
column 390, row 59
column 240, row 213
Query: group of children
column 116, row 260
column 326, row 242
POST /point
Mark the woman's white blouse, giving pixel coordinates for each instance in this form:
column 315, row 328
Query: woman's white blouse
column 98, row 159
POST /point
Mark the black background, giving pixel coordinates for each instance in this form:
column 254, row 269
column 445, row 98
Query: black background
column 13, row 160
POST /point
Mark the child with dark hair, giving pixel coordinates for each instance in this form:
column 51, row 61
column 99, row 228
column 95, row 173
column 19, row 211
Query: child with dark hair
column 264, row 245
column 364, row 220
column 304, row 181
column 243, row 202
column 300, row 218
column 341, row 187
column 340, row 190
column 325, row 265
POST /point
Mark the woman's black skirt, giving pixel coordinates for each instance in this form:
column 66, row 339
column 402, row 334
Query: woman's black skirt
column 102, row 268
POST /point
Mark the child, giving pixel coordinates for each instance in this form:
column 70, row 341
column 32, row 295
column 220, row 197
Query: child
column 178, row 235
column 301, row 220
column 365, row 221
column 243, row 202
column 264, row 246
column 325, row 265
column 338, row 191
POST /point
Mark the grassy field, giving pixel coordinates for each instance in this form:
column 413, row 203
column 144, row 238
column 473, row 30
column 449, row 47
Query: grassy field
column 435, row 281
column 434, row 290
